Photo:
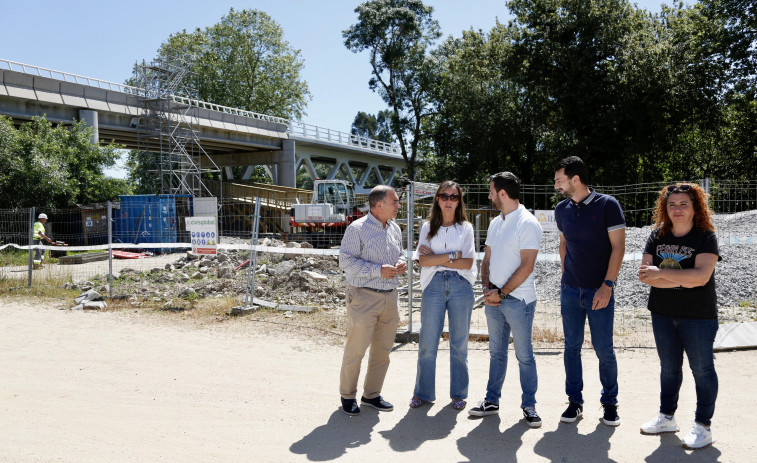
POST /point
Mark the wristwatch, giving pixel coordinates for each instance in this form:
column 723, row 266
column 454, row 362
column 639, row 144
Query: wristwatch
column 451, row 256
column 502, row 296
column 610, row 283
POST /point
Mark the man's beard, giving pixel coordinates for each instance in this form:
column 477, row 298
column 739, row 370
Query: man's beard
column 565, row 193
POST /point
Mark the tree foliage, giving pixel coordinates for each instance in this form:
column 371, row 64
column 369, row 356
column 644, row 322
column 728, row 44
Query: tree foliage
column 639, row 97
column 398, row 34
column 378, row 127
column 244, row 62
column 50, row 167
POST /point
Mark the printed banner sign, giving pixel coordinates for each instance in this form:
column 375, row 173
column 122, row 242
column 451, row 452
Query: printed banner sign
column 546, row 219
column 203, row 232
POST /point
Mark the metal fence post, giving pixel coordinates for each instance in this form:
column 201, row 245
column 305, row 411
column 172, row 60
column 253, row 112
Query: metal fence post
column 250, row 295
column 31, row 243
column 110, row 249
column 408, row 253
column 478, row 244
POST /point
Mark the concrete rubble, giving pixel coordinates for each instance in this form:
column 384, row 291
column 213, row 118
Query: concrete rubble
column 302, row 281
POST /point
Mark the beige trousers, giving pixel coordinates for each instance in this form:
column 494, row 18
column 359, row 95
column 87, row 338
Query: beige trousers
column 372, row 320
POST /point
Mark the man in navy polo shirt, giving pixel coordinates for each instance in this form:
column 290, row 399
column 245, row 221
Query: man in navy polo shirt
column 592, row 244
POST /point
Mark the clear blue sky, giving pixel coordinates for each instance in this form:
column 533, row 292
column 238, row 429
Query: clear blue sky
column 103, row 39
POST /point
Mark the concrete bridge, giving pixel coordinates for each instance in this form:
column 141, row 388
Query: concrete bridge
column 230, row 136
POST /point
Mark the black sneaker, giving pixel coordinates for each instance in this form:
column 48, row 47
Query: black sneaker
column 378, row 403
column 532, row 418
column 349, row 406
column 611, row 417
column 573, row 411
column 484, row 408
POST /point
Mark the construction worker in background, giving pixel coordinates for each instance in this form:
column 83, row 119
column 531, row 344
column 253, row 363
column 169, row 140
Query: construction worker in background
column 39, row 235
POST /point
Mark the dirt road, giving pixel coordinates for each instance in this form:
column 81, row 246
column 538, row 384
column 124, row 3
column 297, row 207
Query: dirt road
column 123, row 386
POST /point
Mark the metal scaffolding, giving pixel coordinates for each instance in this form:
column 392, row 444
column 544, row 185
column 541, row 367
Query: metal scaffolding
column 168, row 129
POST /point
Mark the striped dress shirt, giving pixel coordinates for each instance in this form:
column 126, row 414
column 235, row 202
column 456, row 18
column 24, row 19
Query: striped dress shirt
column 366, row 246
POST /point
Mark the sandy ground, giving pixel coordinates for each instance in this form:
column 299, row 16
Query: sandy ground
column 122, row 386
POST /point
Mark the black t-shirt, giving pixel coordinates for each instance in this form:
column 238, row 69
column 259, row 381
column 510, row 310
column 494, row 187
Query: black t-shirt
column 680, row 253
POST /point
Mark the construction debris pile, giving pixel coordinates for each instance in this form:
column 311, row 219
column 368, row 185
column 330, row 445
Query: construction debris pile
column 301, row 280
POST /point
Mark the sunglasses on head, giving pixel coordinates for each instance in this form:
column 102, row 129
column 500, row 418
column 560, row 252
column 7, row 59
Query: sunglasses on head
column 446, row 197
column 678, row 188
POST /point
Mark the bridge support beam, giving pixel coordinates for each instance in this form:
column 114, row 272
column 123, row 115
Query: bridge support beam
column 90, row 118
column 285, row 166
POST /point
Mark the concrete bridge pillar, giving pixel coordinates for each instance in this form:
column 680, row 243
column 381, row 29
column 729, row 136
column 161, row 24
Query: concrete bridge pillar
column 90, row 118
column 285, row 167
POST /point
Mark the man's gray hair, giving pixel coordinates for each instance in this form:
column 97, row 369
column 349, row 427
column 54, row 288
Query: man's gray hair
column 377, row 194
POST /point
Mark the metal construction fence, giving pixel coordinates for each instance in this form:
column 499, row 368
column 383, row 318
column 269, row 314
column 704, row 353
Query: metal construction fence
column 153, row 228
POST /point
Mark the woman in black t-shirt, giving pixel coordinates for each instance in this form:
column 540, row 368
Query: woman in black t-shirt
column 679, row 264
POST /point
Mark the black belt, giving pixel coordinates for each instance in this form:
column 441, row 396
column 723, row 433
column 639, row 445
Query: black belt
column 378, row 290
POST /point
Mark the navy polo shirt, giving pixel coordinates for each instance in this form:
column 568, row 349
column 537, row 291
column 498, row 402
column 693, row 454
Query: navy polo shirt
column 585, row 227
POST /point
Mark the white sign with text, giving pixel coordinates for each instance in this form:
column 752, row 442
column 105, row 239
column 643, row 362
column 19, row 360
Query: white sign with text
column 546, row 219
column 203, row 232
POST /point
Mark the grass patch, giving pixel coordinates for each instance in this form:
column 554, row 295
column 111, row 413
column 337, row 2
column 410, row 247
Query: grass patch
column 547, row 335
column 11, row 257
column 47, row 288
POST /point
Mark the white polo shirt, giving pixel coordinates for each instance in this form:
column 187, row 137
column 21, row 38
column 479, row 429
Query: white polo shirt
column 458, row 237
column 506, row 237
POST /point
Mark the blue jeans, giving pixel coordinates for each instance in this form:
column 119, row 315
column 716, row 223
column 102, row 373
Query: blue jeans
column 695, row 336
column 575, row 307
column 511, row 314
column 450, row 293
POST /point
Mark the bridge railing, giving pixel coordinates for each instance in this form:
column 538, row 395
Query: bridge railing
column 67, row 77
column 296, row 128
column 228, row 109
column 304, row 130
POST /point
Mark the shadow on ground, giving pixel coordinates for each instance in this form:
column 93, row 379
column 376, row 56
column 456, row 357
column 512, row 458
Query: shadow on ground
column 341, row 432
column 417, row 427
column 671, row 450
column 566, row 444
column 485, row 440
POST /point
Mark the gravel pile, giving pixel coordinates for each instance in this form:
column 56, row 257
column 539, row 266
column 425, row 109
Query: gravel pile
column 735, row 275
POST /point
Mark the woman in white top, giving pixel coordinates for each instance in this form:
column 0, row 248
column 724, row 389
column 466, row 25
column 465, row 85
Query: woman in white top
column 446, row 254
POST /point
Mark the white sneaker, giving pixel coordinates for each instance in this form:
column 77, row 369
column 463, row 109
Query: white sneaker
column 699, row 437
column 660, row 424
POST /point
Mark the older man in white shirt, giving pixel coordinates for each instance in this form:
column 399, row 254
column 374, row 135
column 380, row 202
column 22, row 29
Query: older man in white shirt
column 371, row 257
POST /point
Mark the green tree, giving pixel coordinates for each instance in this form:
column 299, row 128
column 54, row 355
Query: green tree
column 557, row 80
column 50, row 167
column 142, row 167
column 714, row 43
column 398, row 34
column 596, row 71
column 484, row 118
column 639, row 97
column 244, row 62
column 735, row 38
column 377, row 127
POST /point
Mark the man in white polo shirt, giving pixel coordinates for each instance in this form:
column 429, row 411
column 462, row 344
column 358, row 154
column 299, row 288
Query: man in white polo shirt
column 507, row 276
